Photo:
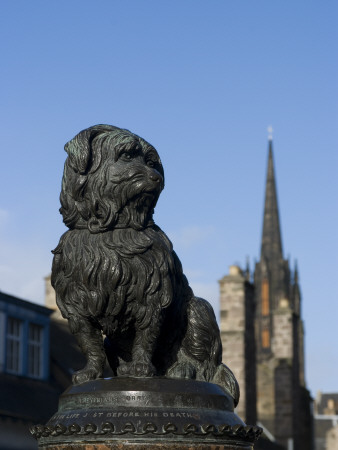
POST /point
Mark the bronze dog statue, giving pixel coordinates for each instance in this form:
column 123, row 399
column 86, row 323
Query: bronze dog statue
column 115, row 272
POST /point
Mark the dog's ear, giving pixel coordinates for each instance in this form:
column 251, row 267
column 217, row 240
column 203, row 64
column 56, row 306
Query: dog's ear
column 83, row 156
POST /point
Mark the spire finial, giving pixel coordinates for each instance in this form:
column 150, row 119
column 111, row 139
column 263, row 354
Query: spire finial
column 270, row 131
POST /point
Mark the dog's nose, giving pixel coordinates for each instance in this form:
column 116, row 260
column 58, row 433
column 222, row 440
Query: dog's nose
column 155, row 178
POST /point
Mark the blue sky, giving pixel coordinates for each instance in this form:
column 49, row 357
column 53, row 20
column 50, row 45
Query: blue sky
column 201, row 81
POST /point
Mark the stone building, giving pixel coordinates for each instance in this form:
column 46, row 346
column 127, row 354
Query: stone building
column 263, row 336
column 24, row 371
column 326, row 421
column 34, row 368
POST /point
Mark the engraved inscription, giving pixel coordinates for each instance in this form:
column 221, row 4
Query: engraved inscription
column 111, row 400
column 137, row 398
column 125, row 414
column 96, row 400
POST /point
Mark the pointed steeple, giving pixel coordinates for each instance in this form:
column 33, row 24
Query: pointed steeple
column 271, row 249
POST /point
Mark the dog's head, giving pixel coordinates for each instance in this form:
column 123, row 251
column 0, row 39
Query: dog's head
column 112, row 179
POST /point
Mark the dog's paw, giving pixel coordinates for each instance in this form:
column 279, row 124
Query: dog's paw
column 88, row 373
column 136, row 369
column 182, row 370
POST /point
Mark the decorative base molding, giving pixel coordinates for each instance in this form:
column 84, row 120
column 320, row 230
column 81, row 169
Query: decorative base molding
column 149, row 413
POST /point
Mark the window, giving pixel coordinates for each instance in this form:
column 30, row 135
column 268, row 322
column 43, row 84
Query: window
column 265, row 338
column 25, row 349
column 35, row 350
column 14, row 346
column 265, row 298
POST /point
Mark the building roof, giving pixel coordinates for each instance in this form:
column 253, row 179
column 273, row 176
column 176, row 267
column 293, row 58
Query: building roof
column 7, row 299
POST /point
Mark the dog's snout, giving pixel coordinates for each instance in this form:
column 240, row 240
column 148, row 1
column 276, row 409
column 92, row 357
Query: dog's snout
column 155, row 177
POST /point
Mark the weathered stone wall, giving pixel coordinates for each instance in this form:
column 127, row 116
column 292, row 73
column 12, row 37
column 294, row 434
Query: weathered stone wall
column 332, row 439
column 284, row 401
column 282, row 343
column 237, row 331
column 266, row 393
column 250, row 355
column 232, row 327
column 276, row 388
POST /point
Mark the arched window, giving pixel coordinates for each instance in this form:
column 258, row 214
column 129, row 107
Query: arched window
column 265, row 338
column 265, row 298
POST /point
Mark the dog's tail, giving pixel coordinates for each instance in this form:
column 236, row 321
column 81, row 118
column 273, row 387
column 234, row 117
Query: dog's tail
column 202, row 344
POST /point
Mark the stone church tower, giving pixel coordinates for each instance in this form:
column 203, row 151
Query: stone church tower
column 261, row 323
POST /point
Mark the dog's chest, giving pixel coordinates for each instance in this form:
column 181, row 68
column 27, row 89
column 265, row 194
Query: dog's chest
column 122, row 274
column 142, row 270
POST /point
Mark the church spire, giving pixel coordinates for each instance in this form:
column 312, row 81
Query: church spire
column 271, row 249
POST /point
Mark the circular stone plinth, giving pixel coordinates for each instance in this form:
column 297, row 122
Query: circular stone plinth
column 145, row 413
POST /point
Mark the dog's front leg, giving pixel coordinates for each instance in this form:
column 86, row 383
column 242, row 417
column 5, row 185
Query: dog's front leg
column 142, row 351
column 90, row 341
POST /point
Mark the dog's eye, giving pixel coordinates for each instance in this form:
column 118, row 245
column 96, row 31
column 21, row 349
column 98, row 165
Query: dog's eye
column 150, row 163
column 126, row 156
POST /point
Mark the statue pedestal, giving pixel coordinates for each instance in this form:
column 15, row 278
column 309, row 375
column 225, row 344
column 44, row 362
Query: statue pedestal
column 142, row 414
